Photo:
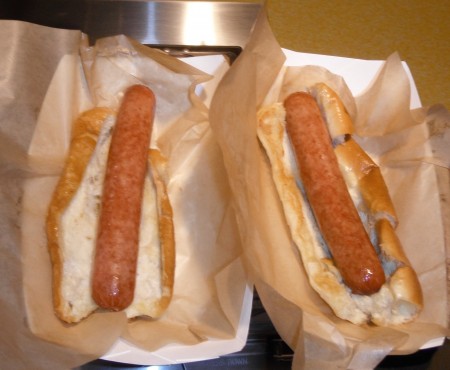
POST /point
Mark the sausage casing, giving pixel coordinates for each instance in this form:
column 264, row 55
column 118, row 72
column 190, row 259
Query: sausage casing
column 327, row 193
column 115, row 261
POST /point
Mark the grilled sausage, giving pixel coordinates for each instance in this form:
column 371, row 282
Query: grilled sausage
column 335, row 213
column 118, row 234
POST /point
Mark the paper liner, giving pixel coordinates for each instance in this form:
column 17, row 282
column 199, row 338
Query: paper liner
column 404, row 147
column 53, row 76
column 22, row 91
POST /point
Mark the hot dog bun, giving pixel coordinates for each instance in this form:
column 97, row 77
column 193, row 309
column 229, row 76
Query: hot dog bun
column 399, row 300
column 72, row 223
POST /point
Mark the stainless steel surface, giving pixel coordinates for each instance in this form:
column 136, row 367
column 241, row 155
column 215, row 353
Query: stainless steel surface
column 179, row 27
column 173, row 22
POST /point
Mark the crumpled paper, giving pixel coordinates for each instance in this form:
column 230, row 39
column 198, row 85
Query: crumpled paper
column 51, row 76
column 413, row 151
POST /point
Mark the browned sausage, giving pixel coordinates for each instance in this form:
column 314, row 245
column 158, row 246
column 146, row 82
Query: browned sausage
column 327, row 193
column 118, row 234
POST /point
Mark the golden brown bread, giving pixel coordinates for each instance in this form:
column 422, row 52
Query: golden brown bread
column 71, row 226
column 166, row 230
column 85, row 132
column 334, row 112
column 362, row 174
column 360, row 171
column 400, row 298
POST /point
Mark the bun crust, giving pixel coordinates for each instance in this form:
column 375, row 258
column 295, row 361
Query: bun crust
column 166, row 234
column 333, row 111
column 400, row 299
column 85, row 132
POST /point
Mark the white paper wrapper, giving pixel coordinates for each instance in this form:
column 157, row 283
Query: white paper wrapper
column 412, row 149
column 51, row 77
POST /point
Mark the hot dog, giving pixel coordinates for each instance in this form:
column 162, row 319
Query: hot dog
column 329, row 198
column 338, row 209
column 112, row 179
column 114, row 273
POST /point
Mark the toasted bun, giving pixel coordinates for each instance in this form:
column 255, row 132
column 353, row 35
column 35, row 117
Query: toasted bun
column 400, row 299
column 364, row 176
column 333, row 111
column 72, row 226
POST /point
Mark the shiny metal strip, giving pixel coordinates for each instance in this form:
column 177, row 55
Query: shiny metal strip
column 181, row 28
